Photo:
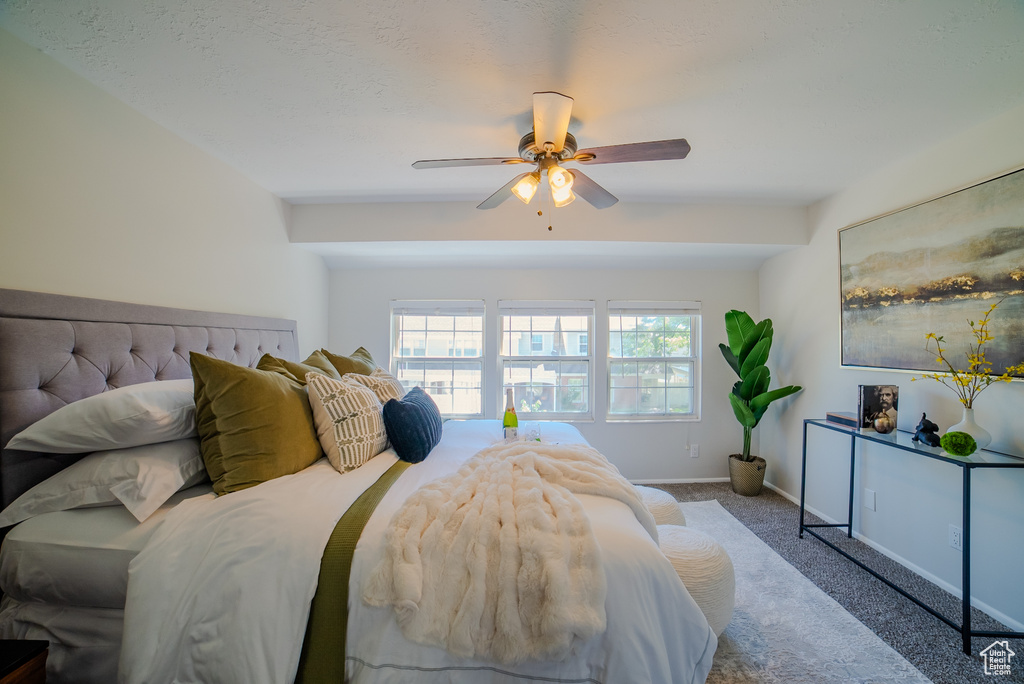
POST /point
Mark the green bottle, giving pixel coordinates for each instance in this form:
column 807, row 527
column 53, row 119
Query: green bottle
column 511, row 421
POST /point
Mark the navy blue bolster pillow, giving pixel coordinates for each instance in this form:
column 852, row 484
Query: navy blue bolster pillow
column 413, row 424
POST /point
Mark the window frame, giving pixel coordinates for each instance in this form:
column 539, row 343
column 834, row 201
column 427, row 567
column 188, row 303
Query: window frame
column 441, row 307
column 650, row 308
column 587, row 308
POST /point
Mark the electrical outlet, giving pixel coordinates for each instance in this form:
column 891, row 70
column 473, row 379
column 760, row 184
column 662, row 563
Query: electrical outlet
column 694, row 451
column 956, row 537
column 869, row 499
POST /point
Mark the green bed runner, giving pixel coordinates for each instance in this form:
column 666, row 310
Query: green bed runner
column 323, row 650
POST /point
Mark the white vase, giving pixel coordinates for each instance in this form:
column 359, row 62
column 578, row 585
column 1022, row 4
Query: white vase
column 980, row 434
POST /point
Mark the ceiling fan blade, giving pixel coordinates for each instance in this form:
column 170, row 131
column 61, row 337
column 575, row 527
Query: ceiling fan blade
column 502, row 194
column 479, row 161
column 634, row 152
column 551, row 113
column 585, row 187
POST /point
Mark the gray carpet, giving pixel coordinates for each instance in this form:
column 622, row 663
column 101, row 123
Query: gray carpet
column 928, row 644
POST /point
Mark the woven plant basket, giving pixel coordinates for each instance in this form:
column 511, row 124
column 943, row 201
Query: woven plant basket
column 746, row 477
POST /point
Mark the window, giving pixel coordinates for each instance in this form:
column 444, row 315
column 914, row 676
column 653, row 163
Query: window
column 654, row 360
column 438, row 345
column 546, row 358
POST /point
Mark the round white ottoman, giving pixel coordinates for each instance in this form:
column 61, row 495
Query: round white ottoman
column 662, row 505
column 706, row 571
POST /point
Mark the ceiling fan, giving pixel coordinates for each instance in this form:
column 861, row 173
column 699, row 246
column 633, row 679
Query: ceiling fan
column 550, row 144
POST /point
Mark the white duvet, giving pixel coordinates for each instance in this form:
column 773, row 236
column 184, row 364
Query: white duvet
column 221, row 592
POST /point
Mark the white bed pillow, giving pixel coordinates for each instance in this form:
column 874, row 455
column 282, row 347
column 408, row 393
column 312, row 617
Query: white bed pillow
column 142, row 478
column 133, row 415
column 349, row 420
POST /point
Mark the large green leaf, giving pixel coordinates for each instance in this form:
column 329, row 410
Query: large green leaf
column 754, row 383
column 742, row 411
column 738, row 325
column 761, row 402
column 759, row 332
column 747, row 354
column 734, row 362
column 758, row 356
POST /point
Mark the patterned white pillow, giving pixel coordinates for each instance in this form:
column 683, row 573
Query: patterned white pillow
column 348, row 419
column 383, row 384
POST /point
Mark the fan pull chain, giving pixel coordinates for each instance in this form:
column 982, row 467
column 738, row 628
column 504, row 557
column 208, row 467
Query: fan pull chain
column 540, row 212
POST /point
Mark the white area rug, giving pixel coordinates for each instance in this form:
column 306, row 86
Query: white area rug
column 785, row 629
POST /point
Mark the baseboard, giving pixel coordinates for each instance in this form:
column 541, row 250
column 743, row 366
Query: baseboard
column 1014, row 625
column 686, row 480
column 786, row 495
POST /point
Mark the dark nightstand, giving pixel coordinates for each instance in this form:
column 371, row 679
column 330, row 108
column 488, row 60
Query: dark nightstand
column 23, row 662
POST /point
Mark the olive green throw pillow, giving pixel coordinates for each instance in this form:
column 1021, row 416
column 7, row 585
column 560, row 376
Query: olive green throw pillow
column 253, row 425
column 359, row 362
column 316, row 363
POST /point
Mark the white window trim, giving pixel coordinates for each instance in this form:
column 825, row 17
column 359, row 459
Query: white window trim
column 637, row 308
column 550, row 308
column 413, row 307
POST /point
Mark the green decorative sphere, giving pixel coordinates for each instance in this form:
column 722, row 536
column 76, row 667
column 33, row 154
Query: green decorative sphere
column 958, row 444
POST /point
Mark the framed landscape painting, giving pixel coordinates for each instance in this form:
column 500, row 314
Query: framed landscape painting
column 934, row 267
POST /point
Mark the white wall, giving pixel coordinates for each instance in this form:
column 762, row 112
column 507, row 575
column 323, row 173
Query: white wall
column 100, row 201
column 917, row 498
column 692, row 224
column 360, row 301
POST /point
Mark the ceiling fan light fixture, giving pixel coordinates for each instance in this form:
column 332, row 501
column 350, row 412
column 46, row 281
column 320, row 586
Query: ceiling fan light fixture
column 526, row 188
column 559, row 178
column 550, row 143
column 562, row 197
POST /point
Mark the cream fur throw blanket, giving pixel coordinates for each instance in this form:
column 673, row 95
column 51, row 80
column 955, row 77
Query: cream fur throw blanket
column 498, row 560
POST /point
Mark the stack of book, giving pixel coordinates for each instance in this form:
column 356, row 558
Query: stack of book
column 845, row 418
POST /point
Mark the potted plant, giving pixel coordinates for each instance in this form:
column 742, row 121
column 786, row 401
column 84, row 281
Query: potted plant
column 969, row 382
column 747, row 354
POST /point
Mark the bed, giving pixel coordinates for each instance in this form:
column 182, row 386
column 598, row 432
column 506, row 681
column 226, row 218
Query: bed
column 65, row 574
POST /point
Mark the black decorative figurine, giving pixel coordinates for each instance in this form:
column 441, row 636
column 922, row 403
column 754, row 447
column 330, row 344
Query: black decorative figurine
column 927, row 432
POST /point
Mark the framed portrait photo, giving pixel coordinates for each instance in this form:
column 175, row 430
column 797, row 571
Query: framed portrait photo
column 879, row 407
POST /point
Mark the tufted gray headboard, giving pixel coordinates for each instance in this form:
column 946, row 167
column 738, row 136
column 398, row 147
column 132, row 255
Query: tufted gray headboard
column 56, row 349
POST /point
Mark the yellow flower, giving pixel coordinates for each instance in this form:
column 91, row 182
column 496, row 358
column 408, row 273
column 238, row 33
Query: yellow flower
column 969, row 383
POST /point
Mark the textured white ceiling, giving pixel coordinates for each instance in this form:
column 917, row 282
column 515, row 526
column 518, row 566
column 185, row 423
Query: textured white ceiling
column 783, row 101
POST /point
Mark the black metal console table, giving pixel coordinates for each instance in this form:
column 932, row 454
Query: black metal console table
column 902, row 440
